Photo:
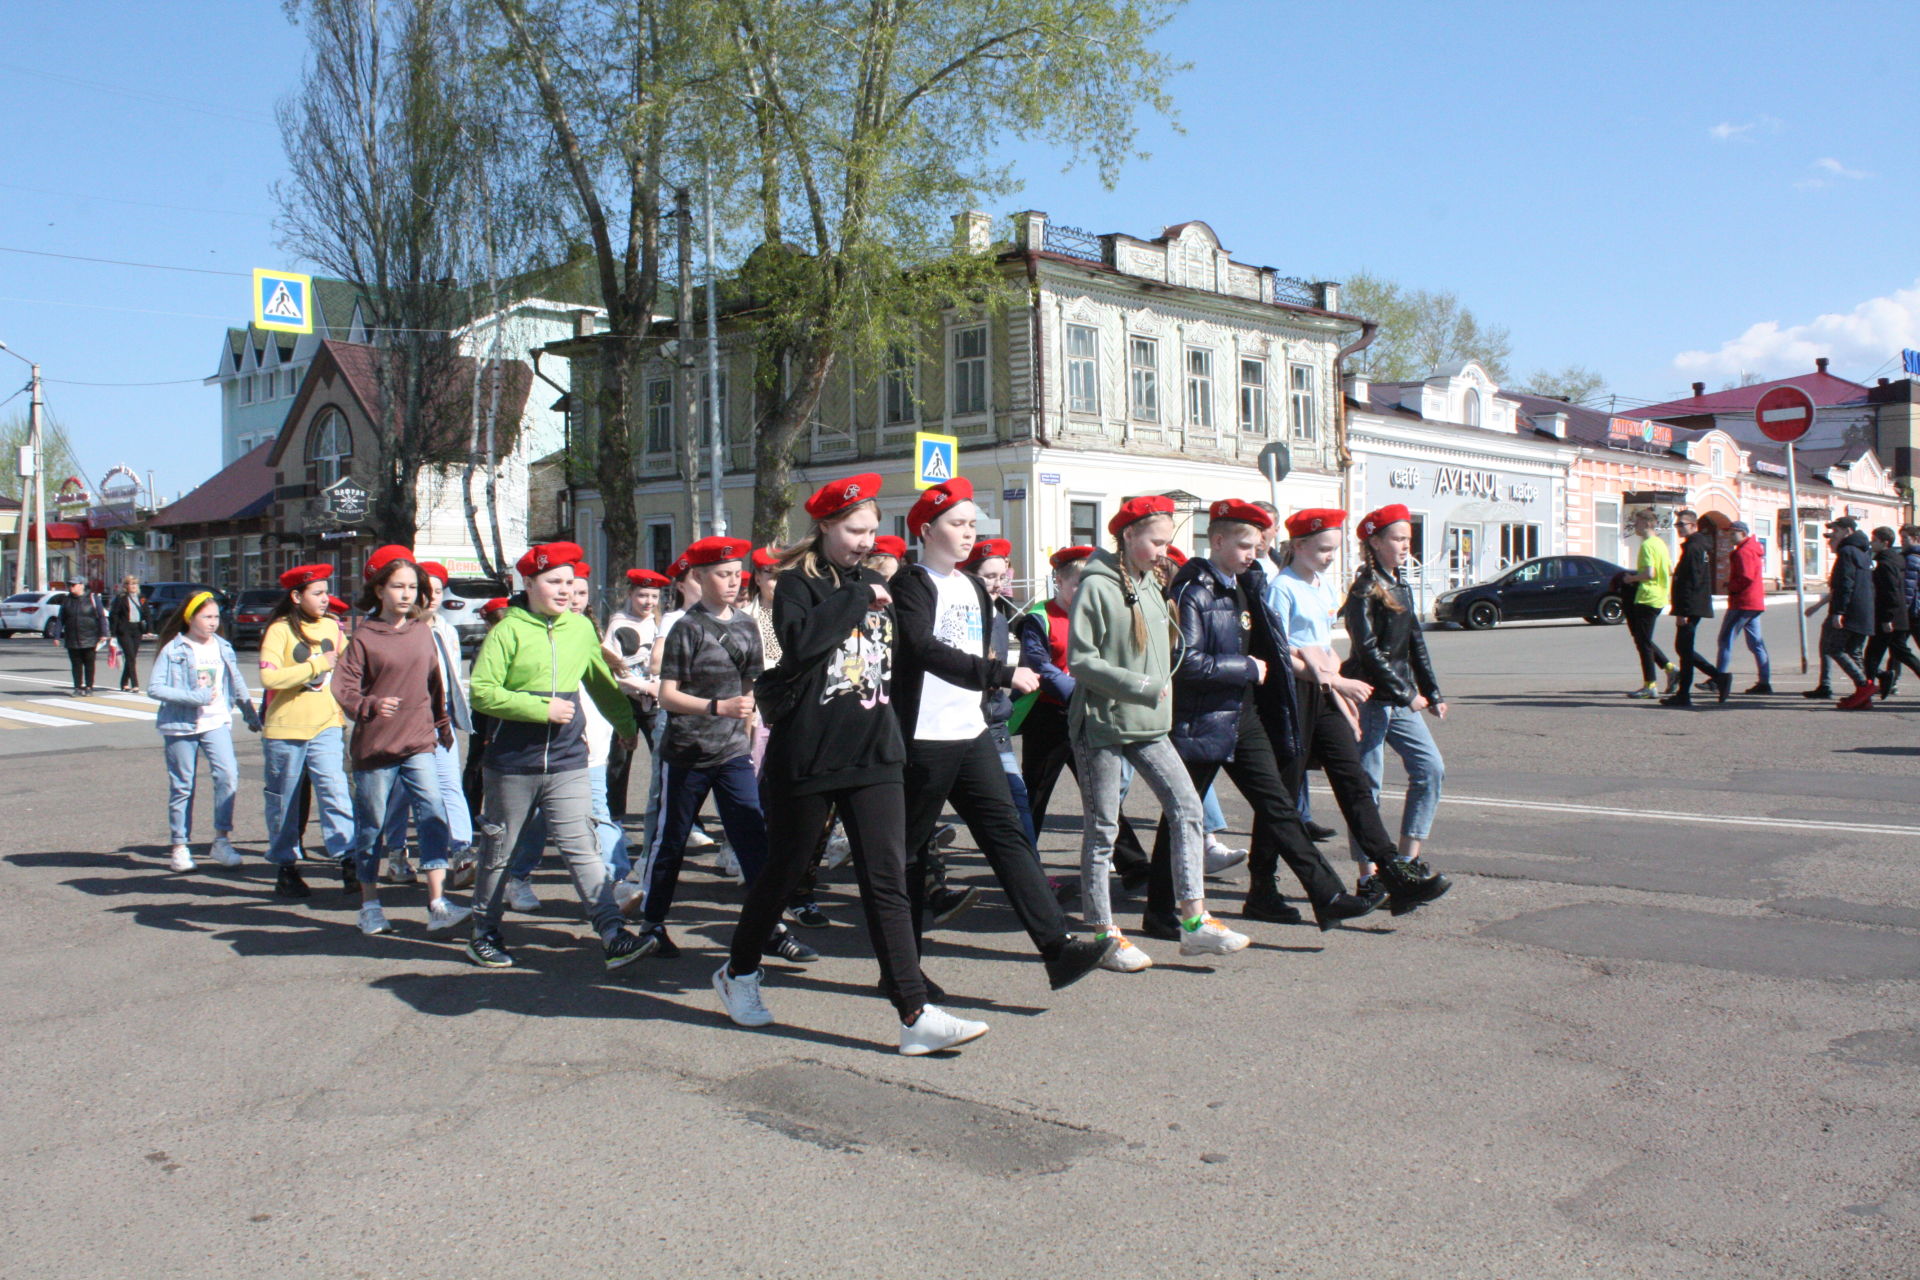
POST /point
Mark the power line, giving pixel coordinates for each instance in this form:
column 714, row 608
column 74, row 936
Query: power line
column 173, row 382
column 185, row 104
column 143, row 204
column 119, row 262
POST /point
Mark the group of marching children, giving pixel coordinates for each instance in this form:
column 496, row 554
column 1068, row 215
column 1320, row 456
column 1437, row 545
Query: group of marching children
column 832, row 699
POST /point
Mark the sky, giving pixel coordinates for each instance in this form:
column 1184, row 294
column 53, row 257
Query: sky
column 1661, row 192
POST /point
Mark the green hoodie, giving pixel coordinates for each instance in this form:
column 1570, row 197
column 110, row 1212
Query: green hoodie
column 1120, row 689
column 528, row 661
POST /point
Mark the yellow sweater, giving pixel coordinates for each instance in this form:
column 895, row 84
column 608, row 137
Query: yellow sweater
column 299, row 704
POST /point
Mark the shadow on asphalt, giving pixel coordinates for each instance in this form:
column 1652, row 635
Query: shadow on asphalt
column 1880, row 751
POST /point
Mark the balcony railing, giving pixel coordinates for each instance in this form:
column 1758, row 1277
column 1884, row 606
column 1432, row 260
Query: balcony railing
column 1072, row 242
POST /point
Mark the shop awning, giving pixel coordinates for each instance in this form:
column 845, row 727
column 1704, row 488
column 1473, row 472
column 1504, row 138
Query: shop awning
column 59, row 531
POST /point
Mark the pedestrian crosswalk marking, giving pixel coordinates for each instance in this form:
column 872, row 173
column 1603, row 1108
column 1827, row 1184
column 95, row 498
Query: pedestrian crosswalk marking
column 92, row 708
column 15, row 717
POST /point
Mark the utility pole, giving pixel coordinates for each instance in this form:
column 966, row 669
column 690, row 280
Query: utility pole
column 687, row 387
column 30, row 463
column 715, row 425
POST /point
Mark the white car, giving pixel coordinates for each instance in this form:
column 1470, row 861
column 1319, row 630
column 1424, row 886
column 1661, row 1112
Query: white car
column 462, row 602
column 32, row 611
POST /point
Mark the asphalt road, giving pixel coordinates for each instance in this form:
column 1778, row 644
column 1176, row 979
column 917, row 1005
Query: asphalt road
column 1665, row 1025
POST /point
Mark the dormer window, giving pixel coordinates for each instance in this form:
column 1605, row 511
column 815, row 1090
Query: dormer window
column 329, row 448
column 1470, row 407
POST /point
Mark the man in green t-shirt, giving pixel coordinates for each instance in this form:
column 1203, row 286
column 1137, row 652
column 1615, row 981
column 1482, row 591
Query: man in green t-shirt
column 1654, row 575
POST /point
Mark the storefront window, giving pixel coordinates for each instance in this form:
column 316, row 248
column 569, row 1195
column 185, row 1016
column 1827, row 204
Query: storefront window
column 1461, row 555
column 1518, row 542
column 1606, row 529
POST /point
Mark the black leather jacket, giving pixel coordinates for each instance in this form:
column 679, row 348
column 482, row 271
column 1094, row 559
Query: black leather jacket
column 1210, row 685
column 1692, row 594
column 1389, row 649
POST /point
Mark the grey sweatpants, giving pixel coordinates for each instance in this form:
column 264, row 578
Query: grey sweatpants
column 567, row 800
column 1101, row 772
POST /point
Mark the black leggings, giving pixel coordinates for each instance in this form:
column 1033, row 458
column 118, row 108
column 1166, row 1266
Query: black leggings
column 1641, row 620
column 875, row 818
column 129, row 642
column 81, row 660
column 1332, row 745
column 1690, row 659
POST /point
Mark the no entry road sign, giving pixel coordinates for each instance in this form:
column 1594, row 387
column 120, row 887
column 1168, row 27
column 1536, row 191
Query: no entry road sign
column 1784, row 414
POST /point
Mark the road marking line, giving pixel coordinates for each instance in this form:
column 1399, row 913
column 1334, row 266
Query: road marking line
column 34, row 717
column 91, row 708
column 68, row 684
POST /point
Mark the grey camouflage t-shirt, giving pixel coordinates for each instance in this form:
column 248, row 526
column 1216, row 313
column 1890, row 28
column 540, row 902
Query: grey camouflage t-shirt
column 704, row 666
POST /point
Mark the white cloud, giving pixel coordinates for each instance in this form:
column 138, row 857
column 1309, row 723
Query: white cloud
column 1830, row 171
column 1856, row 341
column 1728, row 131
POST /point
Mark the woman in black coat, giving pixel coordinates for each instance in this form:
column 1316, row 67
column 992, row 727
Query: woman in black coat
column 82, row 624
column 127, row 620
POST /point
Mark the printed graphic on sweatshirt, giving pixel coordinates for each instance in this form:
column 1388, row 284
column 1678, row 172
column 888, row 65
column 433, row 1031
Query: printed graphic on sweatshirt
column 863, row 665
column 303, row 652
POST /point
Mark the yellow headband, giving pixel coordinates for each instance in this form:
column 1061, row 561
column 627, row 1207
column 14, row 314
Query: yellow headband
column 193, row 605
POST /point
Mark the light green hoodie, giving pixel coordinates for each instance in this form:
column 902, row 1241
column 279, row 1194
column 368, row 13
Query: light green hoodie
column 1118, row 685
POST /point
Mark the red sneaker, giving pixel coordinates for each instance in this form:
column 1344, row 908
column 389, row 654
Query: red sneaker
column 1859, row 700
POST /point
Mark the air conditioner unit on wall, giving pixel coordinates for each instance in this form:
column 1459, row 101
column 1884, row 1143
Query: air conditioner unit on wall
column 157, row 541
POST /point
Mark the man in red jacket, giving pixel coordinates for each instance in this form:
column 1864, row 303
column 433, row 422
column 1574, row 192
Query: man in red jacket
column 1746, row 604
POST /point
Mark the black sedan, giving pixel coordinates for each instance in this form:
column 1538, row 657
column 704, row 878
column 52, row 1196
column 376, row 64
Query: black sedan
column 1550, row 587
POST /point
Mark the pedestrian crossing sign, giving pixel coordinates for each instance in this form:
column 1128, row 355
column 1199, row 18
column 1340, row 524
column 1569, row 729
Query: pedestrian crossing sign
column 935, row 459
column 282, row 301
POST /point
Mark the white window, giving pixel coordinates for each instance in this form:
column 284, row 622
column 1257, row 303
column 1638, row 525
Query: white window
column 900, row 390
column 1253, row 396
column 1719, row 462
column 329, row 448
column 1300, row 407
column 1200, row 388
column 1470, row 408
column 246, row 388
column 659, row 415
column 1083, row 369
column 970, row 370
column 1083, row 521
column 1606, row 529
column 1143, row 378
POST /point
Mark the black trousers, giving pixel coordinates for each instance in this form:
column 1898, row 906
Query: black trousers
column 1894, row 643
column 129, row 642
column 1332, row 746
column 1277, row 830
column 1044, row 751
column 875, row 817
column 1845, row 648
column 969, row 775
column 1689, row 657
column 1641, row 619
column 82, row 661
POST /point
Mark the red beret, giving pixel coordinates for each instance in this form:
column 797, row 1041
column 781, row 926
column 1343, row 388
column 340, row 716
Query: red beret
column 987, row 549
column 1245, row 512
column 336, row 605
column 305, row 575
column 718, row 551
column 836, row 496
column 1375, row 521
column 678, row 569
column 889, row 545
column 548, row 555
column 581, row 569
column 1304, row 524
column 385, row 556
column 647, row 578
column 766, row 557
column 941, row 497
column 1134, row 510
column 434, row 569
column 1067, row 555
column 499, row 604
column 1175, row 554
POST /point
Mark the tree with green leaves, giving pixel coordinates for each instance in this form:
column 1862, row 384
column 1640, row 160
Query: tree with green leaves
column 57, row 458
column 1574, row 383
column 1422, row 332
column 869, row 123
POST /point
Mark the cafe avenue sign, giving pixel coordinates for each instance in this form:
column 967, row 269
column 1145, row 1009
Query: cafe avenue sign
column 1464, row 482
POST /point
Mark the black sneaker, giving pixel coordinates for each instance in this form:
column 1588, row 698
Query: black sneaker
column 624, row 948
column 808, row 915
column 1724, row 684
column 1372, row 888
column 1343, row 906
column 489, row 951
column 1076, row 958
column 785, row 946
column 944, row 904
column 1822, row 691
column 1411, row 885
column 288, row 883
column 1320, row 833
column 1267, row 903
column 349, row 876
column 944, row 835
column 1165, row 928
column 664, row 948
column 1763, row 686
column 1677, row 700
column 1135, row 879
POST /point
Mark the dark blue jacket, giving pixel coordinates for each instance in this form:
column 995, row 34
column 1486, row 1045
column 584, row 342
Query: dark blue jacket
column 1210, row 685
column 1910, row 579
column 1850, row 585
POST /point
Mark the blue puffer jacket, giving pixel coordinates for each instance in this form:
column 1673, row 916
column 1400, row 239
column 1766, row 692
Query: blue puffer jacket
column 1210, row 686
column 173, row 684
column 1910, row 578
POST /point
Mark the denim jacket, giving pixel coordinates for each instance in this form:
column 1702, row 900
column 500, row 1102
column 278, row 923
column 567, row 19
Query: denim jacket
column 172, row 683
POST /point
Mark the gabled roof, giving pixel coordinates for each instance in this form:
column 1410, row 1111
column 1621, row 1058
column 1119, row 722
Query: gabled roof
column 1825, row 389
column 241, row 490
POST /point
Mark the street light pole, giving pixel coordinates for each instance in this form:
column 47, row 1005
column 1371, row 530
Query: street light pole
column 715, row 426
column 31, row 455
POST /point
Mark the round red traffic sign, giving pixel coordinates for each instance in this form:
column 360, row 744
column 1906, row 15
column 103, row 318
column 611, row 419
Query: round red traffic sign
column 1784, row 414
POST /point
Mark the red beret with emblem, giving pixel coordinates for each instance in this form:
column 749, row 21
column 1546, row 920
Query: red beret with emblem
column 836, row 496
column 766, row 557
column 988, row 549
column 1375, row 521
column 1134, row 510
column 548, row 555
column 305, row 575
column 434, row 569
column 678, row 569
column 1245, row 512
column 499, row 604
column 385, row 556
column 718, row 551
column 1067, row 555
column 889, row 545
column 940, row 498
column 646, row 578
column 336, row 605
column 1304, row 524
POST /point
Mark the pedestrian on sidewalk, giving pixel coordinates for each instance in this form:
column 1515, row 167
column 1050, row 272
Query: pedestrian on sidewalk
column 1746, row 606
column 129, row 620
column 1850, row 615
column 1652, row 581
column 1692, row 597
column 1891, row 607
column 83, row 625
column 303, row 739
column 197, row 682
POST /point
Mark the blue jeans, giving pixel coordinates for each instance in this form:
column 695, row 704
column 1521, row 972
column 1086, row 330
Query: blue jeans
column 453, row 801
column 532, row 841
column 1406, row 731
column 1744, row 622
column 736, row 793
column 372, row 790
column 290, row 760
column 183, row 761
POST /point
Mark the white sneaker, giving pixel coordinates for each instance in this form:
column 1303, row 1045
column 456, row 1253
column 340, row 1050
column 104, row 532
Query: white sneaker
column 740, row 997
column 1126, row 958
column 373, row 920
column 443, row 915
column 698, row 839
column 461, row 875
column 521, row 897
column 181, row 858
column 628, row 896
column 1221, row 858
column 936, row 1030
column 839, row 849
column 729, row 865
column 223, row 852
column 400, row 871
column 1211, row 939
